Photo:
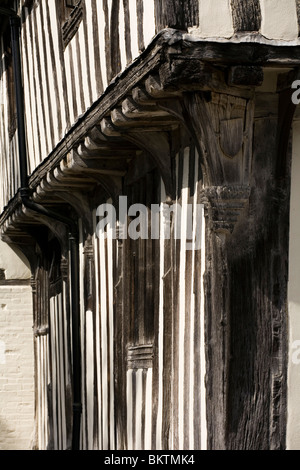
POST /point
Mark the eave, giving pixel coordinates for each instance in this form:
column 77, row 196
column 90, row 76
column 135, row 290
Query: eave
column 139, row 101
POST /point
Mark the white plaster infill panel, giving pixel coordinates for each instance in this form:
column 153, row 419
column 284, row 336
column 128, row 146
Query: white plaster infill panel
column 279, row 19
column 13, row 263
column 215, row 19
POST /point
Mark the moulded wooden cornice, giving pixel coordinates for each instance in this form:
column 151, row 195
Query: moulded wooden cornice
column 147, row 77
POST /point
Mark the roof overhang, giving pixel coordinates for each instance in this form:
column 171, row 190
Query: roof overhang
column 174, row 64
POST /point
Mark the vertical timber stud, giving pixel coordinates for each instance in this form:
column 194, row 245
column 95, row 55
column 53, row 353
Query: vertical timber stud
column 15, row 25
column 177, row 14
column 114, row 38
column 298, row 14
column 246, row 15
column 223, row 126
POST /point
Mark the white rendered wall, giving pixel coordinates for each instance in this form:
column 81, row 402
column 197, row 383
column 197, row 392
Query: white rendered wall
column 14, row 263
column 215, row 19
column 279, row 19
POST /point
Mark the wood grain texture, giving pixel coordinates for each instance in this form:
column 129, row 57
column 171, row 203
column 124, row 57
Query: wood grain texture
column 178, row 14
column 298, row 13
column 246, row 15
column 258, row 335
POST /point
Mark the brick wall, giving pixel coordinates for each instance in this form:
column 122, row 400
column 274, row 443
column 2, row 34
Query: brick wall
column 16, row 368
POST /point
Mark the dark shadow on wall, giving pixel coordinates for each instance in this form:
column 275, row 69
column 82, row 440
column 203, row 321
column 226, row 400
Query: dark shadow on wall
column 5, row 434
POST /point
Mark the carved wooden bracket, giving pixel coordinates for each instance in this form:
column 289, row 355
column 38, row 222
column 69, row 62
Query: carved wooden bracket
column 223, row 127
column 64, row 268
column 146, row 126
column 140, row 357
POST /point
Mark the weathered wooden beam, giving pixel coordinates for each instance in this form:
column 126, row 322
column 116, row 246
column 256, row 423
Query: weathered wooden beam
column 91, row 167
column 141, row 97
column 114, row 39
column 246, row 15
column 156, row 90
column 147, row 122
column 234, row 52
column 298, row 13
column 89, row 149
column 181, row 73
column 245, row 76
column 178, row 14
column 132, row 110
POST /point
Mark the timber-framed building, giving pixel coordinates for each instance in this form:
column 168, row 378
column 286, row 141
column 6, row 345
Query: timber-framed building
column 156, row 342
